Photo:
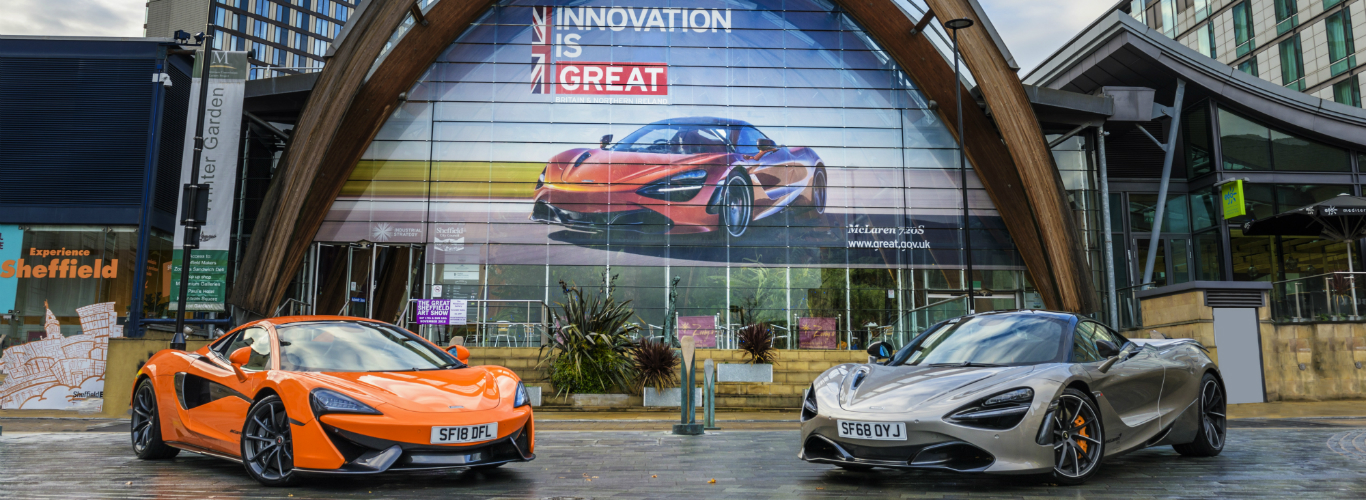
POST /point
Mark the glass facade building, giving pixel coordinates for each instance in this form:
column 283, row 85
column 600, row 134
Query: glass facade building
column 771, row 160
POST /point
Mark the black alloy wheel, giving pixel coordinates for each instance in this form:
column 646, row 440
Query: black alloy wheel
column 267, row 443
column 1078, row 438
column 737, row 204
column 1209, row 438
column 146, row 425
column 818, row 192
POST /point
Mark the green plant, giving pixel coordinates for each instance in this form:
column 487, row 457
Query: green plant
column 591, row 351
column 656, row 365
column 756, row 341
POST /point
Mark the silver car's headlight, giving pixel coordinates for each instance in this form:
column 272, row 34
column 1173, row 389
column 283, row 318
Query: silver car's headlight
column 809, row 407
column 1000, row 411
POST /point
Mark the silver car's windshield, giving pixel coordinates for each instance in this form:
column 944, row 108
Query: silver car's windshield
column 358, row 346
column 1011, row 339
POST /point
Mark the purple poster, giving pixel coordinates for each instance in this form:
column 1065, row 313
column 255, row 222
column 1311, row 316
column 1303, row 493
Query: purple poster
column 702, row 328
column 818, row 333
column 433, row 312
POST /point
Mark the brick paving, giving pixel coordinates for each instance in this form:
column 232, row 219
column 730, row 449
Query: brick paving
column 1260, row 462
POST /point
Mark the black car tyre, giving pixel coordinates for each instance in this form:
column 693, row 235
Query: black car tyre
column 1078, row 439
column 268, row 444
column 146, row 425
column 737, row 204
column 819, row 192
column 1213, row 429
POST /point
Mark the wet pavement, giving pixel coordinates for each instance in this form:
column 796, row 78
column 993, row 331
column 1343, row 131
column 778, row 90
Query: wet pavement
column 1264, row 459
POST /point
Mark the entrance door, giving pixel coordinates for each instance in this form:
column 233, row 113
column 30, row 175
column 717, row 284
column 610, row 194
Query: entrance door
column 367, row 280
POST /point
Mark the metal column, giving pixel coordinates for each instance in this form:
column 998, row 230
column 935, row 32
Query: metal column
column 1170, row 149
column 1105, row 217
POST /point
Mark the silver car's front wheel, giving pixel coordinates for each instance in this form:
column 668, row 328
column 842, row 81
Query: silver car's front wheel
column 1078, row 439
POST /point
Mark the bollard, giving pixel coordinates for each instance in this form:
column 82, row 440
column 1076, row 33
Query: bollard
column 709, row 395
column 687, row 410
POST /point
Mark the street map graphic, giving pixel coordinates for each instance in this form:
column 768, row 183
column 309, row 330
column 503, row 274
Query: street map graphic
column 59, row 372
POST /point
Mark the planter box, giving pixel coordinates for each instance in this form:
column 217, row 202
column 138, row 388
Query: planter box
column 535, row 394
column 581, row 400
column 736, row 372
column 670, row 397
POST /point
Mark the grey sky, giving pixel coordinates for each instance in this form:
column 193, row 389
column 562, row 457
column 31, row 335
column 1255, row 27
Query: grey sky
column 1032, row 29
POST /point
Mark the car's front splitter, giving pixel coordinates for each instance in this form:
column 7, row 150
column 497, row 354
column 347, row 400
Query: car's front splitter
column 931, row 443
column 371, row 455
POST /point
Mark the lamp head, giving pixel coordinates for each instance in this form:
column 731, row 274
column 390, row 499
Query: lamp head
column 958, row 24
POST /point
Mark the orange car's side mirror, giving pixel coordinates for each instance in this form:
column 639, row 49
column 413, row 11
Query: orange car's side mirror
column 238, row 358
column 460, row 352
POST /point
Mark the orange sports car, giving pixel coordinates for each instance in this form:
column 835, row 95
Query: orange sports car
column 305, row 395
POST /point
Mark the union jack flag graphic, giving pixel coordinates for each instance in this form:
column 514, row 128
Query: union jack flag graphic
column 542, row 66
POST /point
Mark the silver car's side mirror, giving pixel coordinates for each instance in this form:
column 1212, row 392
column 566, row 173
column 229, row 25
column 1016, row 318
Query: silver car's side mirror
column 1121, row 355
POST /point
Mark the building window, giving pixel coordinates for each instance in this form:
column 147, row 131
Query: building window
column 1348, row 92
column 1341, row 49
column 1287, row 16
column 1328, row 4
column 1292, row 63
column 1136, row 9
column 1169, row 17
column 1249, row 66
column 1248, row 145
column 1242, row 29
column 1202, row 10
column 1204, row 41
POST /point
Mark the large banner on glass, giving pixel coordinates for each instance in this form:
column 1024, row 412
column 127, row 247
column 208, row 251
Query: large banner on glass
column 217, row 168
column 698, row 133
column 11, row 237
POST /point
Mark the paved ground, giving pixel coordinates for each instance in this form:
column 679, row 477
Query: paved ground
column 1264, row 459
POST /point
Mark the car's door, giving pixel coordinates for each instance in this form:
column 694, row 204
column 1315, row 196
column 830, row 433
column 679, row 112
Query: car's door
column 1181, row 384
column 1132, row 387
column 214, row 398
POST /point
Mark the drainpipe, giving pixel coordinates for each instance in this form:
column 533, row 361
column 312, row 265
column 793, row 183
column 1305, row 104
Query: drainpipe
column 1105, row 218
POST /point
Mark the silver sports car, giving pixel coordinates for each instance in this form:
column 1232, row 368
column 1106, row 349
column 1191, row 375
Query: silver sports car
column 1021, row 392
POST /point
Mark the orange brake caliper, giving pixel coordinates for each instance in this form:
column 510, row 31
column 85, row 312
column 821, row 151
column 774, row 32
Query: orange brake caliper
column 1080, row 422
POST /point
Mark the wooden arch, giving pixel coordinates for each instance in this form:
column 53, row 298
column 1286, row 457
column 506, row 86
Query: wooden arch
column 345, row 111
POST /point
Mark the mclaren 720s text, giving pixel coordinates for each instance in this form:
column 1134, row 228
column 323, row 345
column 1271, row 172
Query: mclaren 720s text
column 1021, row 392
column 314, row 395
column 682, row 175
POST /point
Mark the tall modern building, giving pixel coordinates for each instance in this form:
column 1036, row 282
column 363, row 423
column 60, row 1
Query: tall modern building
column 288, row 36
column 1305, row 45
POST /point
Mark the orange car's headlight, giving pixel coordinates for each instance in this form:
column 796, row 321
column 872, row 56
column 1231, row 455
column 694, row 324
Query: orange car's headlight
column 522, row 398
column 326, row 401
column 678, row 187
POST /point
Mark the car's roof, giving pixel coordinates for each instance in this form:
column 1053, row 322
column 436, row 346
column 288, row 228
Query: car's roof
column 284, row 320
column 1035, row 312
column 701, row 120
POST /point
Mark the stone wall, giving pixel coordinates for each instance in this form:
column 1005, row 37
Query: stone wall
column 1300, row 362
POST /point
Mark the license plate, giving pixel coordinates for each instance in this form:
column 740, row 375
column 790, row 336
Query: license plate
column 464, row 433
column 883, row 431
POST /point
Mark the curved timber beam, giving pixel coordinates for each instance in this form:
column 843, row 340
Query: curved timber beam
column 345, row 112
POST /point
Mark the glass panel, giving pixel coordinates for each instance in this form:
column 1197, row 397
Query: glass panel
column 1195, row 130
column 1245, row 143
column 1292, row 63
column 1159, row 266
column 1304, row 257
column 1142, row 212
column 1253, row 257
column 1286, row 17
column 1340, row 44
column 1209, row 266
column 1293, row 153
column 1243, row 29
column 1292, row 196
column 1116, row 212
column 1181, row 271
column 1204, row 212
column 1250, row 67
column 70, row 275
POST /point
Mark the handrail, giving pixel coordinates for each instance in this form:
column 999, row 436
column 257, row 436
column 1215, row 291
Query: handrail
column 1317, row 276
column 289, row 302
column 945, row 301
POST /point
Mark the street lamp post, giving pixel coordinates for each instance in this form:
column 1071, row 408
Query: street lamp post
column 195, row 198
column 955, row 25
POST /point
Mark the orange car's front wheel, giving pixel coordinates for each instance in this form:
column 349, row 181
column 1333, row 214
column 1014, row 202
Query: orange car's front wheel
column 737, row 203
column 146, row 425
column 267, row 443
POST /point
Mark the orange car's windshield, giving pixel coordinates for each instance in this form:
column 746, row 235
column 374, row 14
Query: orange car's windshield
column 344, row 346
column 677, row 139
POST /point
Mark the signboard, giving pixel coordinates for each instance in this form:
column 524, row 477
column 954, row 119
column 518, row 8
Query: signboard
column 208, row 280
column 10, row 239
column 817, row 333
column 700, row 328
column 441, row 312
column 1234, row 201
column 59, row 372
column 218, row 169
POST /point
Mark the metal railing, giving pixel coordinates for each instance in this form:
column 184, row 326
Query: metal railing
column 913, row 322
column 293, row 307
column 491, row 323
column 1325, row 297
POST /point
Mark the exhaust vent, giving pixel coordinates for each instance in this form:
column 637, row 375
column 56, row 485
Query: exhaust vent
column 1234, row 298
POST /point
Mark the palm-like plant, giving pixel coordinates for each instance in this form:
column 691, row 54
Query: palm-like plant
column 656, row 365
column 756, row 341
column 591, row 351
